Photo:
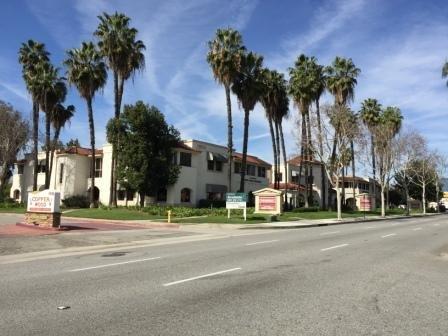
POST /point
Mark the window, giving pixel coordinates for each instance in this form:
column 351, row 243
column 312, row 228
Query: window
column 310, row 179
column 121, row 194
column 214, row 165
column 174, row 159
column 185, row 195
column 215, row 196
column 210, row 164
column 61, row 172
column 161, row 195
column 250, row 170
column 98, row 167
column 41, row 168
column 280, row 176
column 185, row 159
column 130, row 195
column 261, row 171
column 16, row 194
column 20, row 169
column 237, row 168
column 295, row 179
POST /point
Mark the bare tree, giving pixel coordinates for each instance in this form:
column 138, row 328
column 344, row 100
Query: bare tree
column 14, row 134
column 334, row 161
column 423, row 172
column 409, row 146
column 440, row 171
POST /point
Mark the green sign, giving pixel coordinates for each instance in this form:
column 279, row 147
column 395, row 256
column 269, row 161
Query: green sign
column 236, row 197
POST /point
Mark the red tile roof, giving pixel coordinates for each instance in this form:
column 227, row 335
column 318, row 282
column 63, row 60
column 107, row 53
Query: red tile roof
column 251, row 159
column 289, row 185
column 80, row 151
column 297, row 160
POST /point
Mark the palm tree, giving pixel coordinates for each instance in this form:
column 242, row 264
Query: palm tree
column 224, row 56
column 60, row 116
column 248, row 88
column 320, row 81
column 52, row 91
column 31, row 54
column 86, row 70
column 370, row 114
column 341, row 81
column 124, row 56
column 283, row 113
column 271, row 99
column 302, row 88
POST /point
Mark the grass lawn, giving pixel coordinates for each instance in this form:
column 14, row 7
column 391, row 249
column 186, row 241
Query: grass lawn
column 115, row 214
column 13, row 210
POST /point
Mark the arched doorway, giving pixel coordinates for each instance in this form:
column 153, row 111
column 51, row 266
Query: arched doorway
column 16, row 195
column 185, row 195
column 96, row 194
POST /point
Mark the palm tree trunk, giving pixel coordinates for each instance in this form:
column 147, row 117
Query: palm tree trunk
column 274, row 152
column 372, row 141
column 112, row 198
column 285, row 163
column 321, row 150
column 92, row 147
column 352, row 147
column 343, row 186
column 245, row 139
column 57, row 131
column 35, row 142
column 277, row 142
column 310, row 162
column 229, row 137
column 47, row 149
column 304, row 158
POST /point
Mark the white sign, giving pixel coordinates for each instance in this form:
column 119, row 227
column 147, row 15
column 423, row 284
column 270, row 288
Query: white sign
column 46, row 201
column 236, row 205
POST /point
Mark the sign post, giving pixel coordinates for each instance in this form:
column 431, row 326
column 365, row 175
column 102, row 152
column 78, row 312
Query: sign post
column 236, row 201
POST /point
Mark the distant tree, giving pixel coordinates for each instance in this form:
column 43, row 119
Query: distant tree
column 423, row 174
column 248, row 88
column 224, row 57
column 14, row 134
column 147, row 143
column 73, row 143
column 87, row 72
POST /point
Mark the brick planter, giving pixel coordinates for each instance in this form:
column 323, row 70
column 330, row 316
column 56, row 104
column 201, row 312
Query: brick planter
column 45, row 220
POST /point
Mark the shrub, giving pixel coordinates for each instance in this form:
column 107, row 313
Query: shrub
column 310, row 209
column 76, row 201
column 203, row 203
column 181, row 211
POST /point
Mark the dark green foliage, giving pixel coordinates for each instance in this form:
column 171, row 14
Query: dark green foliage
column 146, row 149
column 76, row 202
column 204, row 203
column 73, row 143
column 310, row 209
column 179, row 211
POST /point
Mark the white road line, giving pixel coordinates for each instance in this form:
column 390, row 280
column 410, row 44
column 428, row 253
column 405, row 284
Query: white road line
column 416, row 229
column 201, row 276
column 328, row 233
column 389, row 235
column 262, row 242
column 333, row 247
column 437, row 224
column 114, row 264
column 370, row 227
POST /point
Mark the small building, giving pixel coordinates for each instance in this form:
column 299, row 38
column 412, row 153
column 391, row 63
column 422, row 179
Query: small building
column 203, row 175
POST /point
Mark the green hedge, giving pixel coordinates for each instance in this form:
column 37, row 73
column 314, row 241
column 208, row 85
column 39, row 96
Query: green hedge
column 76, row 202
column 310, row 209
column 179, row 211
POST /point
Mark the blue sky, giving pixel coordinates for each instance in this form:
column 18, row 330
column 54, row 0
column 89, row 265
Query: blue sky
column 400, row 46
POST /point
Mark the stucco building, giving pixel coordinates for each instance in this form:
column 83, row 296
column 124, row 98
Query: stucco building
column 203, row 175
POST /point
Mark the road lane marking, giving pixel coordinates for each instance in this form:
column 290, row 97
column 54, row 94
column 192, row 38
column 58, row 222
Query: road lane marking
column 114, row 264
column 262, row 242
column 370, row 227
column 436, row 224
column 389, row 235
column 201, row 276
column 416, row 229
column 328, row 233
column 334, row 247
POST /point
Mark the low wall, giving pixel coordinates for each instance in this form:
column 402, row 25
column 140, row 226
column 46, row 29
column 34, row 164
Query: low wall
column 49, row 220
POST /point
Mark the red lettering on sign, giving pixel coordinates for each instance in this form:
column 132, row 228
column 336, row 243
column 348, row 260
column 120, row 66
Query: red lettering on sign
column 267, row 203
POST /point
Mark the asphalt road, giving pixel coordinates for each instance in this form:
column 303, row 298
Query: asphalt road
column 381, row 278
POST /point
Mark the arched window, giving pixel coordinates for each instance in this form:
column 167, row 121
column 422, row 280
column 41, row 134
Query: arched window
column 185, row 195
column 16, row 194
column 41, row 167
column 96, row 194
